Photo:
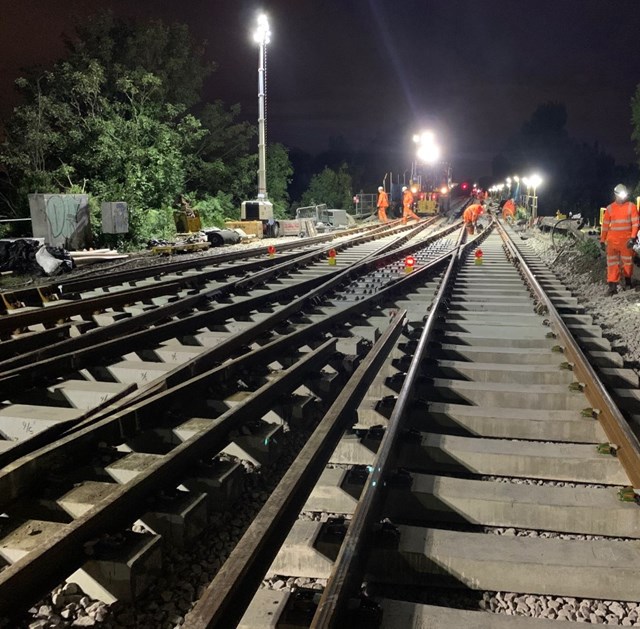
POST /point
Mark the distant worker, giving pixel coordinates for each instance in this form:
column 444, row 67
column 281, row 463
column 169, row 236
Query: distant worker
column 468, row 216
column 407, row 203
column 509, row 210
column 471, row 215
column 619, row 231
column 383, row 204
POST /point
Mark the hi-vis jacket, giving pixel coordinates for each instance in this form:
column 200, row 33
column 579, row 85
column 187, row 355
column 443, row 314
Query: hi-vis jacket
column 620, row 222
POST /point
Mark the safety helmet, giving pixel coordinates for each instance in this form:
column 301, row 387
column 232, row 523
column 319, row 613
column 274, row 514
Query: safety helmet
column 621, row 191
column 380, row 188
column 404, row 188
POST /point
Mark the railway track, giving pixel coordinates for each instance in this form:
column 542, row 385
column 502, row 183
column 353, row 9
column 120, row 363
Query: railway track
column 149, row 465
column 60, row 385
column 486, row 468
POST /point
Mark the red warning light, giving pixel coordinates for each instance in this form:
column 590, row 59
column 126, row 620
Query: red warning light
column 271, row 250
column 409, row 263
column 465, row 185
column 479, row 253
column 332, row 253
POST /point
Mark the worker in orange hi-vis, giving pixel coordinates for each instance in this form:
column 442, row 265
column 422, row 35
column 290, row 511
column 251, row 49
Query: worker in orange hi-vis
column 619, row 231
column 469, row 218
column 509, row 210
column 383, row 204
column 407, row 203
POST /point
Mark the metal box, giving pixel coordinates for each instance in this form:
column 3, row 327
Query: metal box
column 256, row 211
column 61, row 219
column 115, row 217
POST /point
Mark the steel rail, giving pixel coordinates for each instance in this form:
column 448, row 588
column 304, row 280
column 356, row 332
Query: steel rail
column 208, row 358
column 227, row 596
column 32, row 576
column 613, row 422
column 69, row 344
column 346, row 577
column 77, row 350
column 32, row 295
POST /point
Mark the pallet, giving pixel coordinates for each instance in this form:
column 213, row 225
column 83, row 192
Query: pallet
column 180, row 248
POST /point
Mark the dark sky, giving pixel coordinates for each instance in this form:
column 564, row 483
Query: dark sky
column 473, row 70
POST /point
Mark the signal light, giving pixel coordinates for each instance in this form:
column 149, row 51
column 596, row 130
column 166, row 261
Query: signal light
column 332, row 257
column 444, row 190
column 465, row 185
column 409, row 263
column 271, row 250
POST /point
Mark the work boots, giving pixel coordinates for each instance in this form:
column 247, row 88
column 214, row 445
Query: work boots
column 628, row 283
column 613, row 288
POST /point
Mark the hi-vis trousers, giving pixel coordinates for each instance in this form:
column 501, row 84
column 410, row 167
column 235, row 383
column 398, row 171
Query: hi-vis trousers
column 618, row 255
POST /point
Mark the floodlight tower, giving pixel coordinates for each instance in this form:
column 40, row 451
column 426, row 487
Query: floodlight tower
column 261, row 209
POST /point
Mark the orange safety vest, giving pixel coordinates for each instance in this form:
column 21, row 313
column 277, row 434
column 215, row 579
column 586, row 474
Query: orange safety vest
column 620, row 222
column 475, row 210
column 407, row 199
column 383, row 200
column 509, row 207
column 468, row 215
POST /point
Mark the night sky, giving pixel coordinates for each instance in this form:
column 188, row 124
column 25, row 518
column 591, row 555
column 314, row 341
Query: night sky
column 370, row 70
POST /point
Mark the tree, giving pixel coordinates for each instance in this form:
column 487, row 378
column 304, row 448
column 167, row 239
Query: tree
column 102, row 122
column 331, row 187
column 578, row 176
column 279, row 173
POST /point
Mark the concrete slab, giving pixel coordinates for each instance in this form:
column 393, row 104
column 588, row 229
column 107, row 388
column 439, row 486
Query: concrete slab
column 87, row 394
column 563, row 509
column 221, row 480
column 506, row 374
column 21, row 421
column 535, row 396
column 178, row 355
column 500, row 457
column 122, row 572
column 590, row 569
column 85, row 496
column 131, row 465
column 488, row 338
column 503, row 305
column 21, row 538
column 508, row 355
column 337, row 491
column 498, row 331
column 177, row 518
column 511, row 423
column 138, row 371
column 265, row 610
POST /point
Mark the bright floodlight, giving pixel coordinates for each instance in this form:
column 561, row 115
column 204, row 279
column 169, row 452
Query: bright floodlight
column 508, row 181
column 516, row 178
column 416, row 138
column 262, row 34
column 429, row 153
column 526, row 182
column 535, row 181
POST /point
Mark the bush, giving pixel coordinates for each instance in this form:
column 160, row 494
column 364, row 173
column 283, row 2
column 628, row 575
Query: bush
column 214, row 211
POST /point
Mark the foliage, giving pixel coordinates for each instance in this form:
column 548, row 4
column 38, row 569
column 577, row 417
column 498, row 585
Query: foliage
column 279, row 173
column 331, row 187
column 118, row 119
column 215, row 210
column 222, row 160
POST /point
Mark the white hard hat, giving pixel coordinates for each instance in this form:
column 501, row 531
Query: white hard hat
column 404, row 188
column 621, row 191
column 380, row 188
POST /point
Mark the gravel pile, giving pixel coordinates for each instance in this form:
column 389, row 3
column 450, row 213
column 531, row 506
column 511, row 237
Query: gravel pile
column 585, row 275
column 186, row 573
column 579, row 610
